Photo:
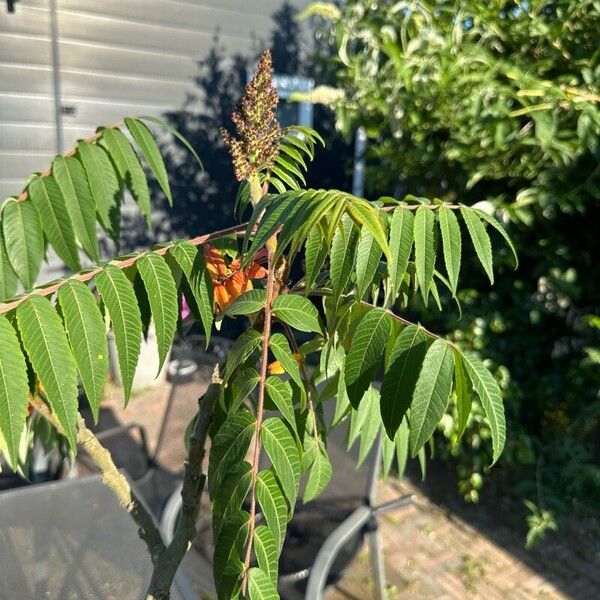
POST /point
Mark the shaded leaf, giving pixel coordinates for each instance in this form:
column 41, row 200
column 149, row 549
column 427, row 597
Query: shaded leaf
column 228, row 547
column 8, row 277
column 463, row 395
column 240, row 350
column 231, row 494
column 14, row 389
column 401, row 373
column 366, row 350
column 192, row 263
column 229, row 447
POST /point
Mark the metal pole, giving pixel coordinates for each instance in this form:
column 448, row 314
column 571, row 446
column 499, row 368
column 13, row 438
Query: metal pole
column 360, row 148
column 56, row 78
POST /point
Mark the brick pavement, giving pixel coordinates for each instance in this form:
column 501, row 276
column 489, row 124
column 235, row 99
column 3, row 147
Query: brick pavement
column 436, row 552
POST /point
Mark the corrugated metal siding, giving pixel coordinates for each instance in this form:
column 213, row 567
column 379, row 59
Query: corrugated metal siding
column 117, row 58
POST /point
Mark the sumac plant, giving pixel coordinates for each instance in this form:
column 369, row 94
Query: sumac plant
column 321, row 277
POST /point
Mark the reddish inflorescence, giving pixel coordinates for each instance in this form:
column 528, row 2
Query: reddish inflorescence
column 258, row 133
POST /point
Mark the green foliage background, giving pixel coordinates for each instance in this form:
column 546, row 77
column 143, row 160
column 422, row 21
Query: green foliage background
column 496, row 103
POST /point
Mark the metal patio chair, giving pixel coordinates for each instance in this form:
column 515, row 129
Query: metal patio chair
column 332, row 528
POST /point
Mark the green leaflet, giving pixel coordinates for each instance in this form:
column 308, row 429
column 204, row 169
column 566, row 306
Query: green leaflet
column 273, row 504
column 314, row 256
column 342, row 402
column 8, row 277
column 249, row 302
column 87, row 338
column 260, row 586
column 432, row 392
column 491, row 399
column 142, row 300
column 45, row 342
column 191, row 261
column 229, row 447
column 297, row 311
column 366, row 350
column 129, row 168
column 281, row 449
column 319, row 476
column 162, row 295
column 387, row 454
column 104, row 186
column 276, row 213
column 228, row 547
column 480, row 239
column 240, row 350
column 367, row 216
column 143, row 138
column 401, row 239
column 424, row 248
column 402, row 370
column 358, row 417
column 371, row 424
column 119, row 298
column 56, row 223
column 230, row 580
column 267, row 551
column 463, row 394
column 23, row 240
column 341, row 259
column 368, row 254
column 14, row 389
column 72, row 181
column 175, row 133
column 241, row 387
column 282, row 352
column 401, row 441
column 280, row 393
column 451, row 243
column 231, row 494
column 492, row 221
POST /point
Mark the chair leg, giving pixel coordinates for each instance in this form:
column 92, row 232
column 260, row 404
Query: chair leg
column 377, row 561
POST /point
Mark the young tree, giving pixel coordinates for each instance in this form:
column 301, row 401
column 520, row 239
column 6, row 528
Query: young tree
column 362, row 262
